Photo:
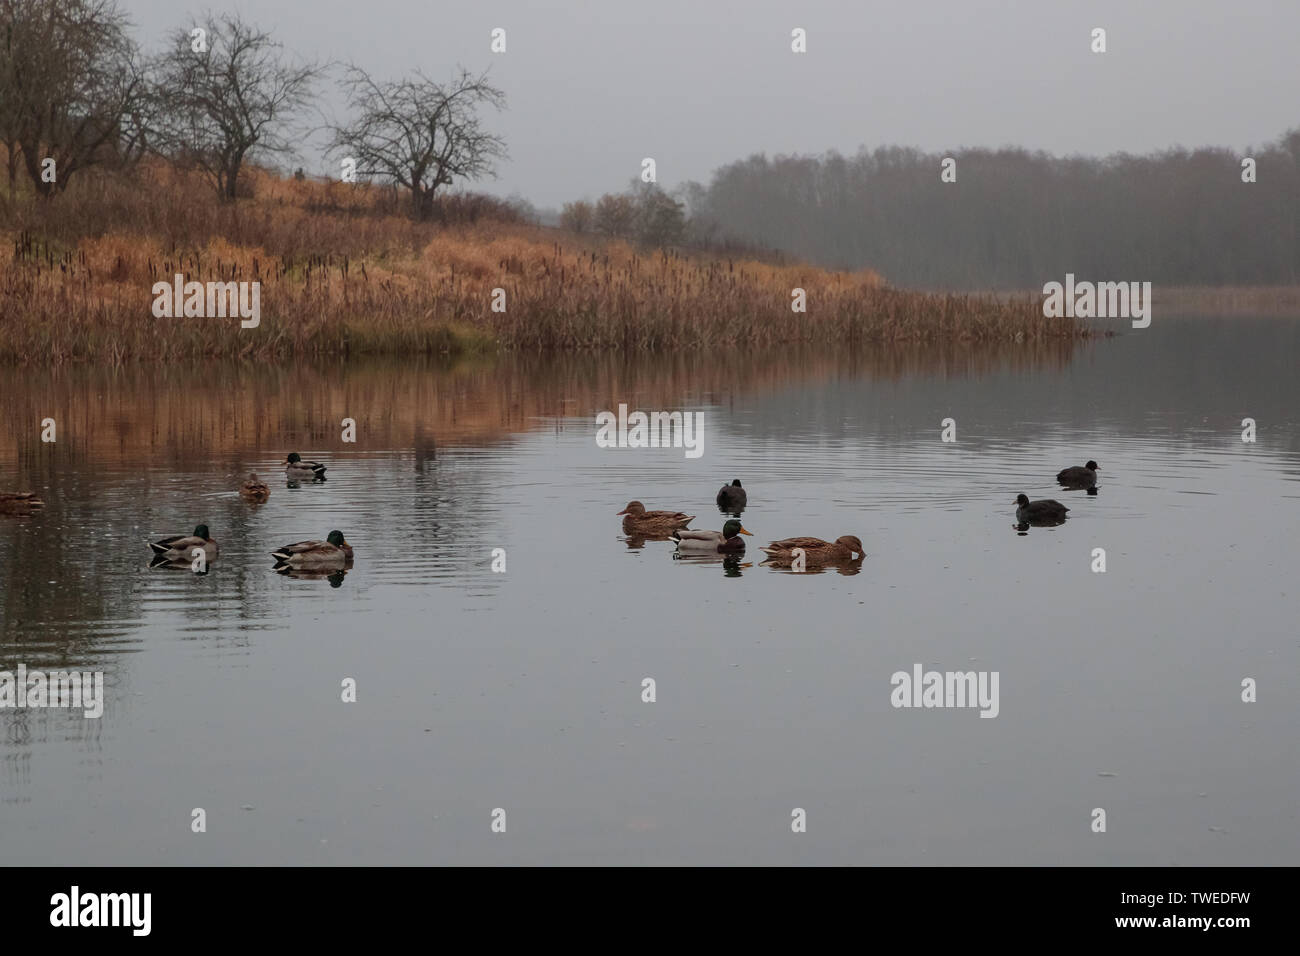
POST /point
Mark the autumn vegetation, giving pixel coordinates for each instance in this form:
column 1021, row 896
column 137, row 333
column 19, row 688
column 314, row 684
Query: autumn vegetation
column 124, row 168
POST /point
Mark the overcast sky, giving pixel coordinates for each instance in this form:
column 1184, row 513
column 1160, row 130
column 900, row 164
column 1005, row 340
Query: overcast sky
column 595, row 85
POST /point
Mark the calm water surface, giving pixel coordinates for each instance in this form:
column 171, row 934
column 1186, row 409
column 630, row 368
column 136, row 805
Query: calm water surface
column 522, row 690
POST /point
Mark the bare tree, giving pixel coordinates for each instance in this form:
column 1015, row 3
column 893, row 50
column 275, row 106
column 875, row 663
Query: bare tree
column 70, row 81
column 419, row 134
column 228, row 96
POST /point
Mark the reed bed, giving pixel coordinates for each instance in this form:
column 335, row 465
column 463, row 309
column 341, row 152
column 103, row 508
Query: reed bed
column 343, row 274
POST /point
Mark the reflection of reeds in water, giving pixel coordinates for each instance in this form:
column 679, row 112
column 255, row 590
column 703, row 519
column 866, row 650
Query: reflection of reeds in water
column 339, row 280
column 235, row 411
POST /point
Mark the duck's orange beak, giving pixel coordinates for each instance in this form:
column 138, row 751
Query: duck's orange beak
column 743, row 531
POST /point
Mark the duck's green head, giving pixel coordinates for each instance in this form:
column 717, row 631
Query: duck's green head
column 733, row 528
column 336, row 538
column 293, row 458
column 201, row 531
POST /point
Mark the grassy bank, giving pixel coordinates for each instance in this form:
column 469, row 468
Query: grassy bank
column 343, row 273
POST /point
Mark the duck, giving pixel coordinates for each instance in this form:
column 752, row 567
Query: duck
column 636, row 520
column 296, row 469
column 732, row 497
column 1074, row 475
column 19, row 502
column 1043, row 510
column 180, row 547
column 334, row 550
column 816, row 551
column 720, row 542
column 254, row 489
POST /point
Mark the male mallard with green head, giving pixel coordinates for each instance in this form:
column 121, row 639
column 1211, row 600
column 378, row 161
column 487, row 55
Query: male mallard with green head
column 181, row 547
column 636, row 520
column 727, row 540
column 295, row 469
column 334, row 550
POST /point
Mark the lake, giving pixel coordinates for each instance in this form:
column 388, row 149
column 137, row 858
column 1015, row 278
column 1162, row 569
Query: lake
column 522, row 691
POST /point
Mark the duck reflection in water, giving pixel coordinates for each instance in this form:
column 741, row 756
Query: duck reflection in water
column 334, row 577
column 733, row 565
column 161, row 562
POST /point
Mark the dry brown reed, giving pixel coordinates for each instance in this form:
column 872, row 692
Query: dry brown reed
column 342, row 272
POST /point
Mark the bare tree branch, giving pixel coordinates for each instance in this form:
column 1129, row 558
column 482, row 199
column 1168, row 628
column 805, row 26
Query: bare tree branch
column 419, row 134
column 70, row 79
column 233, row 100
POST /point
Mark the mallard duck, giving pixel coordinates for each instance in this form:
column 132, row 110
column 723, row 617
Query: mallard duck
column 1043, row 510
column 180, row 547
column 255, row 489
column 19, row 502
column 728, row 539
column 732, row 497
column 636, row 520
column 816, row 551
column 334, row 550
column 1085, row 477
column 296, row 469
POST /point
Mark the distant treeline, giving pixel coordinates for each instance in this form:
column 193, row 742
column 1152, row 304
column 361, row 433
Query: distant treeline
column 1015, row 219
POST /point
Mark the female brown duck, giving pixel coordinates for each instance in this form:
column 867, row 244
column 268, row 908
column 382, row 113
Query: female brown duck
column 19, row 502
column 816, row 552
column 636, row 520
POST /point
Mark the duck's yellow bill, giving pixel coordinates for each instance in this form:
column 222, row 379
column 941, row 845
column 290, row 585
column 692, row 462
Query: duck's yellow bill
column 743, row 531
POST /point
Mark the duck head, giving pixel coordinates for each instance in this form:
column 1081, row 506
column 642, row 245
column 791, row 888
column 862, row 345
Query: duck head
column 851, row 542
column 201, row 531
column 1022, row 500
column 633, row 508
column 1092, row 466
column 733, row 528
column 336, row 538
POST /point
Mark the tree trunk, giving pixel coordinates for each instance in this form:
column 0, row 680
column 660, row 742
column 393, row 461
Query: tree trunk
column 11, row 164
column 33, row 163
